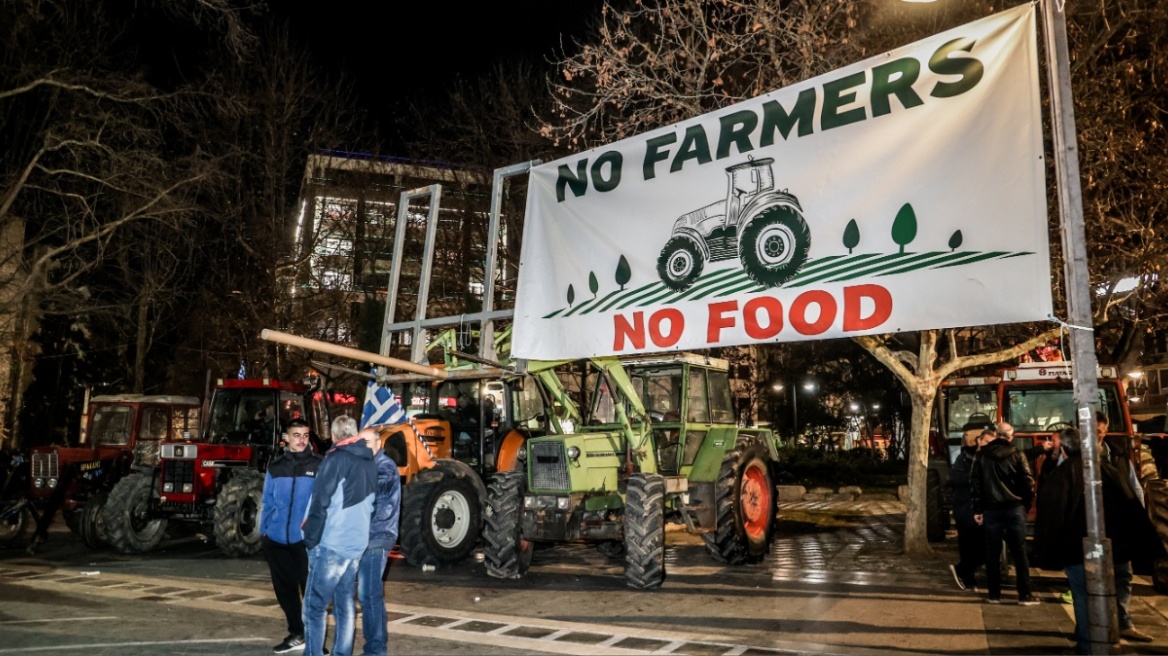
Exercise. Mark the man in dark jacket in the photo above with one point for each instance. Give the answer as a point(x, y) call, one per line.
point(336, 533)
point(1002, 490)
point(382, 537)
point(287, 488)
point(1061, 524)
point(971, 543)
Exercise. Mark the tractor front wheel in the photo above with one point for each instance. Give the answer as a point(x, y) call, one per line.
point(14, 522)
point(774, 245)
point(128, 523)
point(507, 554)
point(680, 263)
point(645, 531)
point(745, 505)
point(91, 521)
point(441, 520)
point(237, 514)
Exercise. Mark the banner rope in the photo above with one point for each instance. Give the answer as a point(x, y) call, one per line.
point(1066, 326)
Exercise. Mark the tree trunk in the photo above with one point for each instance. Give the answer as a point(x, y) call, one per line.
point(916, 519)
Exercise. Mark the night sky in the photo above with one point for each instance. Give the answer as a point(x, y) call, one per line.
point(399, 51)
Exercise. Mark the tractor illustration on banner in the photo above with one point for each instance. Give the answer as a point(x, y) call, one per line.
point(762, 227)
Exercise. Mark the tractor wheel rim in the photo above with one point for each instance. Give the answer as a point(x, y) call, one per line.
point(755, 496)
point(775, 245)
point(680, 264)
point(448, 531)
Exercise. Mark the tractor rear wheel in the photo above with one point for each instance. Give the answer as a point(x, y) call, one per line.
point(744, 498)
point(645, 531)
point(128, 523)
point(91, 521)
point(507, 554)
point(774, 245)
point(441, 520)
point(237, 514)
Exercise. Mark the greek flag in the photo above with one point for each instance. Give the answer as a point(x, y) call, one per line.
point(242, 370)
point(381, 407)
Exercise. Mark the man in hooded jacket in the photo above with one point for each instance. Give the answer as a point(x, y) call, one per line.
point(287, 488)
point(1002, 489)
point(336, 533)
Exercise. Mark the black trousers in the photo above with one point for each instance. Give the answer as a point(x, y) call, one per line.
point(289, 566)
point(1008, 525)
point(971, 546)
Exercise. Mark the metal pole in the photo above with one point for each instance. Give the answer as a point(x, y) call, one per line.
point(1104, 625)
point(795, 408)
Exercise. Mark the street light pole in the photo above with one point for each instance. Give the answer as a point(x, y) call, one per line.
point(1097, 560)
point(795, 408)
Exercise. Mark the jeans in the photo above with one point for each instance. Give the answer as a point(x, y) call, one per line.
point(288, 564)
point(1008, 524)
point(1077, 579)
point(371, 594)
point(331, 577)
point(1123, 591)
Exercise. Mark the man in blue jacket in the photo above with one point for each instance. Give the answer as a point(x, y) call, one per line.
point(287, 488)
point(382, 537)
point(336, 533)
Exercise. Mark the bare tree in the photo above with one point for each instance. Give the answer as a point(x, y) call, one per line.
point(668, 60)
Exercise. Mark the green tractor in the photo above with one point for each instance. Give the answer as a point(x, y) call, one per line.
point(659, 444)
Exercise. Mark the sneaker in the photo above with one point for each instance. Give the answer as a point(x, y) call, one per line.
point(1028, 600)
point(1132, 633)
point(291, 643)
point(956, 578)
point(993, 600)
point(1066, 597)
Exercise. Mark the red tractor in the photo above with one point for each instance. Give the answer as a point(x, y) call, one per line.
point(118, 429)
point(217, 482)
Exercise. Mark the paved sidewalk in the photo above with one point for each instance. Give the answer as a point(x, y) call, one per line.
point(846, 556)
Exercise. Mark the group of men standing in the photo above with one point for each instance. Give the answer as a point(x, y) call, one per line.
point(994, 489)
point(328, 524)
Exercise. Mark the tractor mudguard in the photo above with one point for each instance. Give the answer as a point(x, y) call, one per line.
point(445, 467)
point(718, 441)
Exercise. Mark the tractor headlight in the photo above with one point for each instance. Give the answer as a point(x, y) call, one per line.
point(521, 453)
point(39, 483)
point(168, 487)
point(528, 502)
point(52, 483)
point(188, 488)
point(574, 453)
point(562, 502)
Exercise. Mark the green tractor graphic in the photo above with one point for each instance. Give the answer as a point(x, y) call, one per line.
point(762, 227)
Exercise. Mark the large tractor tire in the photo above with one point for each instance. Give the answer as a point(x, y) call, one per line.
point(645, 531)
point(745, 504)
point(680, 263)
point(774, 245)
point(507, 554)
point(91, 521)
point(936, 517)
point(14, 523)
point(441, 517)
point(237, 514)
point(128, 524)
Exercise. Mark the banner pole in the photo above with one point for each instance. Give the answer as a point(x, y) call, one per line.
point(1097, 560)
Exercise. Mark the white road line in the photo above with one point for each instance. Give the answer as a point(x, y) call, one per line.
point(557, 635)
point(60, 619)
point(668, 649)
point(168, 643)
point(503, 629)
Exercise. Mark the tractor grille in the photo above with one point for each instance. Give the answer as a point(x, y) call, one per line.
point(549, 468)
point(44, 465)
point(178, 472)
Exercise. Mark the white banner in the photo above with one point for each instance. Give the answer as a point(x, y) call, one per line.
point(904, 192)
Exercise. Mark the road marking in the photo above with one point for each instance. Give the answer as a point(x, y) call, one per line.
point(103, 645)
point(59, 619)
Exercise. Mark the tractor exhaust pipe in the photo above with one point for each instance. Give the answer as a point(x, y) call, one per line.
point(355, 354)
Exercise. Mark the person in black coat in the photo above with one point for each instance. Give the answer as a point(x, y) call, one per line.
point(1003, 489)
point(971, 543)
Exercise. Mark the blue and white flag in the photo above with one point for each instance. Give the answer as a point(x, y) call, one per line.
point(381, 407)
point(242, 370)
